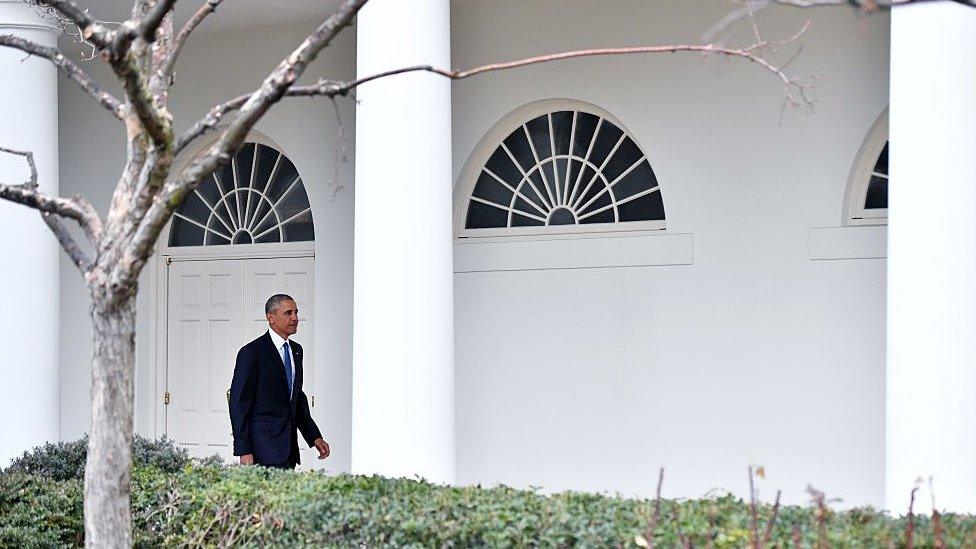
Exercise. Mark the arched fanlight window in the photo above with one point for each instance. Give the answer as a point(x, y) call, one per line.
point(876, 197)
point(258, 197)
point(867, 186)
point(558, 166)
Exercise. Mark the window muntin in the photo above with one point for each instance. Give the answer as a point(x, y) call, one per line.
point(257, 198)
point(876, 197)
point(559, 166)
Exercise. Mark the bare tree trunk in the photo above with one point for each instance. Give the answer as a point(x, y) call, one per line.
point(108, 471)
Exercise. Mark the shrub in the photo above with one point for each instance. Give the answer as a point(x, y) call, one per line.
point(254, 506)
point(38, 511)
point(66, 460)
point(208, 505)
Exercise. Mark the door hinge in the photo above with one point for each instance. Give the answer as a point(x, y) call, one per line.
point(313, 401)
point(166, 398)
point(169, 260)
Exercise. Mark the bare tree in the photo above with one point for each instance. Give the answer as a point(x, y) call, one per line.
point(142, 53)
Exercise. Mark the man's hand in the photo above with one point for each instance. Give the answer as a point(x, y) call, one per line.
point(323, 448)
point(247, 459)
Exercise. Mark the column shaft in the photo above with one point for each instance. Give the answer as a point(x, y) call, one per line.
point(403, 342)
point(931, 360)
point(29, 278)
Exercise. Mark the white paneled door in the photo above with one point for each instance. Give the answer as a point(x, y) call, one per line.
point(213, 308)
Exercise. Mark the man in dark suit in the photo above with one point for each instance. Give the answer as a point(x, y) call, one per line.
point(267, 403)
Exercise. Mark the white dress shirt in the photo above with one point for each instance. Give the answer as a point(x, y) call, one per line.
point(278, 342)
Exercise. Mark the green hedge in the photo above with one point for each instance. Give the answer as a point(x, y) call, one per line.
point(253, 506)
point(66, 460)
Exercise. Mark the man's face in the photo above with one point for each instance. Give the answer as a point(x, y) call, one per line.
point(284, 319)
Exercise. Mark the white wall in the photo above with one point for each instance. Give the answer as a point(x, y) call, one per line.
point(593, 378)
point(214, 67)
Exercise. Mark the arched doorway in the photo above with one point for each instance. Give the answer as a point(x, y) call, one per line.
point(243, 235)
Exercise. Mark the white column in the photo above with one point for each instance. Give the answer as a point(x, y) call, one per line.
point(29, 277)
point(403, 342)
point(931, 372)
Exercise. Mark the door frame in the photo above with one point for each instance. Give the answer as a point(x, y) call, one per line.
point(162, 260)
point(158, 278)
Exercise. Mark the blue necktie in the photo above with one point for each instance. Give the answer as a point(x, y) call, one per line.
point(288, 374)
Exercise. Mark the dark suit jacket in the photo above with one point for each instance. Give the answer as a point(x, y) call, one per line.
point(262, 416)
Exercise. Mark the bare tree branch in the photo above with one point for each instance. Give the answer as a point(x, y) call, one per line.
point(332, 88)
point(143, 27)
point(206, 9)
point(68, 68)
point(755, 542)
point(154, 118)
point(749, 8)
point(768, 534)
point(78, 257)
point(148, 26)
point(27, 194)
point(210, 121)
point(126, 62)
point(159, 159)
point(272, 89)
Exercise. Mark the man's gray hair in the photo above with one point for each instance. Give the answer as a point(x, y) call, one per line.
point(275, 301)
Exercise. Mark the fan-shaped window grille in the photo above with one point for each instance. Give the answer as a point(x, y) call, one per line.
point(258, 197)
point(572, 168)
point(867, 186)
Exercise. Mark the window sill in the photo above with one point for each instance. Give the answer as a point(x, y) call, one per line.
point(851, 242)
point(584, 252)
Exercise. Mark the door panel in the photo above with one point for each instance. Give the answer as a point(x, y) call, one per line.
point(204, 332)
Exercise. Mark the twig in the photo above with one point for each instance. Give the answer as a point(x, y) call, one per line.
point(820, 500)
point(867, 6)
point(78, 257)
point(332, 88)
point(656, 515)
point(936, 520)
point(27, 194)
point(89, 28)
point(910, 526)
point(206, 9)
point(754, 514)
point(797, 536)
point(767, 536)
